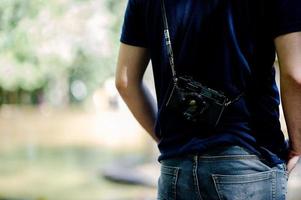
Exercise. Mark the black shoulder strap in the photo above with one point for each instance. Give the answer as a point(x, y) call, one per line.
point(171, 57)
point(168, 41)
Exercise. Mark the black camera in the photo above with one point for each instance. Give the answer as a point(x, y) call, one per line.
point(195, 102)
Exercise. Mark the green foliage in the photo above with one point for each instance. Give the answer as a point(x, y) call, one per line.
point(51, 40)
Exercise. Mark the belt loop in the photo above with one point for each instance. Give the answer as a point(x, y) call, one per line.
point(195, 159)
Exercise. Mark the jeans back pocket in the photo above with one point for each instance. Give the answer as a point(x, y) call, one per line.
point(255, 186)
point(167, 182)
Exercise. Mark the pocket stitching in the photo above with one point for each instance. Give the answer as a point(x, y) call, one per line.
point(262, 176)
point(270, 175)
point(172, 171)
point(217, 189)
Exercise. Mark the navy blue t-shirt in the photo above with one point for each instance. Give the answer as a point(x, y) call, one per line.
point(227, 45)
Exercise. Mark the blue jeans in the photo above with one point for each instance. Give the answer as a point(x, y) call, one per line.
point(225, 173)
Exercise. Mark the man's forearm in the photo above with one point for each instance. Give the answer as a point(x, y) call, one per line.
point(142, 105)
point(291, 102)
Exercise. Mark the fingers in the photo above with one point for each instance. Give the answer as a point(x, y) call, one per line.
point(292, 162)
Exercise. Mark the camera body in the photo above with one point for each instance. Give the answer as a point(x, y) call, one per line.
point(195, 102)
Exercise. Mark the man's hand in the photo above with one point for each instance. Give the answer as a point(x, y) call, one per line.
point(292, 162)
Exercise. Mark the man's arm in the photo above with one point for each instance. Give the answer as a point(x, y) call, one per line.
point(289, 54)
point(131, 65)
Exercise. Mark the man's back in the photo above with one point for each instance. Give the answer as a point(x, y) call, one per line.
point(227, 46)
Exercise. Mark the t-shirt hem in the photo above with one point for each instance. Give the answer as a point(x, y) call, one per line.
point(260, 151)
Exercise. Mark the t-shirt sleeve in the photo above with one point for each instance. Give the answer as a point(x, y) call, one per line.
point(286, 16)
point(134, 27)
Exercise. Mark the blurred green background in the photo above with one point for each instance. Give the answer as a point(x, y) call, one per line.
point(65, 133)
point(57, 51)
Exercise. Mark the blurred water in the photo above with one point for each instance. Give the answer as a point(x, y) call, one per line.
point(61, 155)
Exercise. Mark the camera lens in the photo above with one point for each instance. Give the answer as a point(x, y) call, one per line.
point(192, 102)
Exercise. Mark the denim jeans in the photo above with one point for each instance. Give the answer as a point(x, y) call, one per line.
point(225, 173)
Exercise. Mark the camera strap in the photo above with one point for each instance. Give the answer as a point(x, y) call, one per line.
point(232, 101)
point(168, 42)
point(171, 55)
